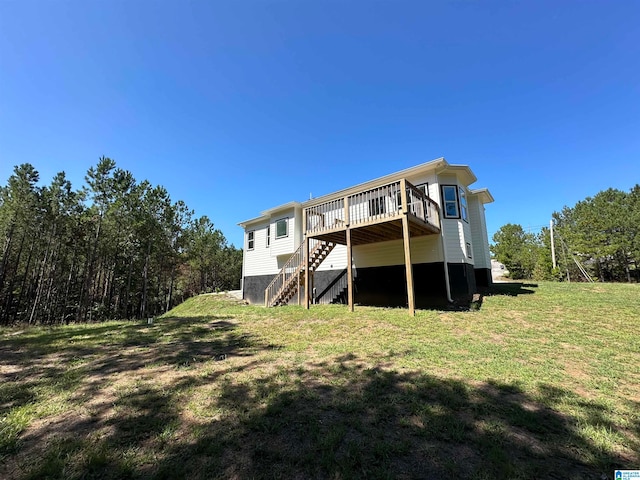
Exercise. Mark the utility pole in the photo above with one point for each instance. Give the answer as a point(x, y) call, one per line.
point(553, 248)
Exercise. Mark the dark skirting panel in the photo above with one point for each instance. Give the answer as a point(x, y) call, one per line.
point(379, 286)
point(387, 286)
point(462, 278)
point(253, 288)
point(483, 277)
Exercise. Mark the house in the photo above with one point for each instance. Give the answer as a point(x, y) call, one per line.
point(413, 236)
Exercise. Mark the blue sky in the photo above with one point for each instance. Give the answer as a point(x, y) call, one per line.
point(239, 106)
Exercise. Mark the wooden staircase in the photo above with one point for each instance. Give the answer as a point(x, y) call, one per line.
point(287, 282)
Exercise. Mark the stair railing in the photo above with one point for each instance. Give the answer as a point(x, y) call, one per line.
point(292, 267)
point(289, 270)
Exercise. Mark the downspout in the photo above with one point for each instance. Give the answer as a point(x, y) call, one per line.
point(446, 266)
point(244, 254)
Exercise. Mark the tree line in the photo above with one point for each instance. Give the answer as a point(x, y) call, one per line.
point(115, 248)
point(600, 235)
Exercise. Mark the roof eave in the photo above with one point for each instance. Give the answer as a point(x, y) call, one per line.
point(463, 172)
point(432, 164)
point(483, 194)
point(267, 214)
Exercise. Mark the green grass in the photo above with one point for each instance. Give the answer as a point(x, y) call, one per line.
point(543, 380)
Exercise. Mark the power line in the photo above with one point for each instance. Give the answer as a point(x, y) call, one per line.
point(526, 229)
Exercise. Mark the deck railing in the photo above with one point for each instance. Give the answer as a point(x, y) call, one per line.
point(325, 216)
point(371, 206)
point(376, 204)
point(422, 206)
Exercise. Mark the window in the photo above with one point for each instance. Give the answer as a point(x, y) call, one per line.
point(250, 240)
point(268, 235)
point(469, 250)
point(463, 204)
point(424, 188)
point(282, 228)
point(450, 199)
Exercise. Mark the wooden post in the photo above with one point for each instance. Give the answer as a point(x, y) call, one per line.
point(406, 237)
point(553, 248)
point(403, 196)
point(307, 290)
point(349, 271)
point(349, 255)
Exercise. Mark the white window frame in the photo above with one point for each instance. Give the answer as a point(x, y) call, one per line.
point(268, 235)
point(286, 222)
point(453, 202)
point(462, 201)
point(251, 239)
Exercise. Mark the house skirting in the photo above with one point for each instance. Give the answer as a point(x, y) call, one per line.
point(253, 288)
point(483, 277)
point(330, 287)
point(380, 286)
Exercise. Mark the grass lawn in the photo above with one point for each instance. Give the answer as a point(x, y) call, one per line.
point(542, 382)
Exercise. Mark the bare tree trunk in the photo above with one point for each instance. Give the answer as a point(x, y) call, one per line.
point(9, 300)
point(627, 271)
point(51, 273)
point(111, 286)
point(128, 290)
point(145, 272)
point(40, 276)
point(63, 318)
point(170, 296)
point(88, 277)
point(5, 252)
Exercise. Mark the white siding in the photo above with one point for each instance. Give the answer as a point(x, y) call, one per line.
point(297, 228)
point(263, 260)
point(456, 232)
point(454, 239)
point(337, 259)
point(259, 260)
point(466, 236)
point(481, 253)
point(419, 180)
point(424, 249)
point(285, 245)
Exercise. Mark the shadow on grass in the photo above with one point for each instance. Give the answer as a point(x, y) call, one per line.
point(511, 289)
point(82, 341)
point(465, 303)
point(77, 363)
point(342, 419)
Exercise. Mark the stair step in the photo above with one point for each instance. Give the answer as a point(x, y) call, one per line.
point(320, 252)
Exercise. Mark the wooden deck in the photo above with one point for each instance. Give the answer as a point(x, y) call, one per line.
point(374, 215)
point(395, 211)
point(379, 231)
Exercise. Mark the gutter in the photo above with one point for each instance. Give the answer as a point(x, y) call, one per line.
point(446, 265)
point(447, 281)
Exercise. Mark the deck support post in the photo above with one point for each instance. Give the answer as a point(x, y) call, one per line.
point(349, 271)
point(406, 238)
point(307, 290)
point(349, 255)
